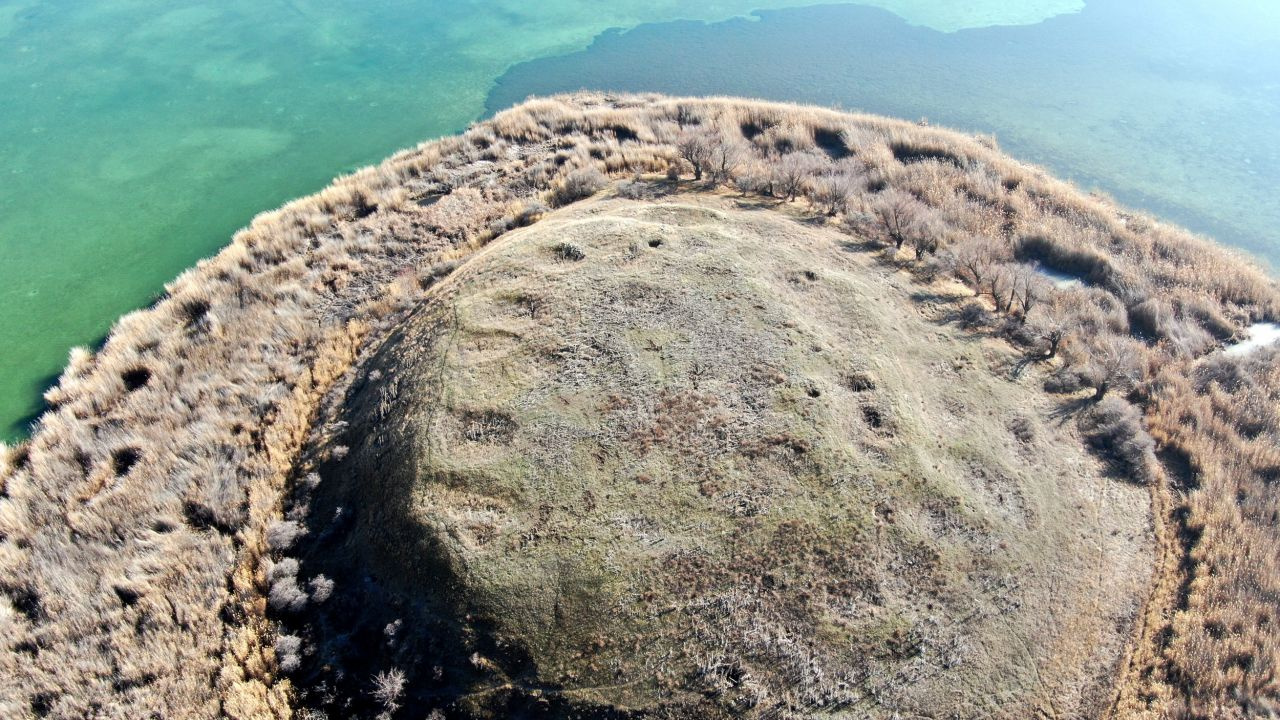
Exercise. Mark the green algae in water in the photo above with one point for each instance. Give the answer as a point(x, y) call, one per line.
point(1170, 107)
point(137, 135)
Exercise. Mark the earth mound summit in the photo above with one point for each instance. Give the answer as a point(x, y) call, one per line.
point(688, 457)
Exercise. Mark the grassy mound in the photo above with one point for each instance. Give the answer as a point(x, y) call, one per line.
point(694, 456)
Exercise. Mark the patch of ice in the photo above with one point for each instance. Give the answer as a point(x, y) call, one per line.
point(1259, 335)
point(1060, 279)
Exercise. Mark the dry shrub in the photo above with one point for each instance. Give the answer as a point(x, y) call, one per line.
point(793, 171)
point(905, 220)
point(569, 252)
point(288, 652)
point(1114, 426)
point(711, 153)
point(387, 688)
point(579, 184)
point(633, 189)
point(321, 588)
point(973, 314)
point(281, 534)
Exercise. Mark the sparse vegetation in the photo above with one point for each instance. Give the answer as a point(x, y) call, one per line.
point(140, 524)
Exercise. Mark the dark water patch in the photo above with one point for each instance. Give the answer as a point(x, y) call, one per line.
point(907, 154)
point(831, 142)
point(123, 460)
point(136, 378)
point(1170, 107)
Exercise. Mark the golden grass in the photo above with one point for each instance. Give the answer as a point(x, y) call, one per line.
point(133, 524)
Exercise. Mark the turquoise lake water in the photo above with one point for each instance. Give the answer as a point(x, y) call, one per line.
point(137, 135)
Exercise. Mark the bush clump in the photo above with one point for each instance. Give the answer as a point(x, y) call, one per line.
point(973, 315)
point(569, 252)
point(578, 184)
point(288, 652)
point(1114, 427)
point(281, 534)
point(285, 593)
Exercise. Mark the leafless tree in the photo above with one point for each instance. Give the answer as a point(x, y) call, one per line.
point(1050, 330)
point(695, 146)
point(1001, 285)
point(711, 154)
point(754, 177)
point(1113, 362)
point(1053, 338)
point(971, 259)
point(1030, 289)
point(834, 192)
point(725, 157)
point(925, 236)
point(903, 218)
point(792, 171)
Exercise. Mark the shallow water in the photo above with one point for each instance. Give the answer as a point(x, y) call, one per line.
point(137, 135)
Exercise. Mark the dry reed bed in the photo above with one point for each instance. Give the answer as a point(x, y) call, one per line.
point(134, 525)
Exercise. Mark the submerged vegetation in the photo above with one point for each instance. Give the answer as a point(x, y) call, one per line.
point(145, 555)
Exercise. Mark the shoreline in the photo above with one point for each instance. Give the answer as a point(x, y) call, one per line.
point(175, 446)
